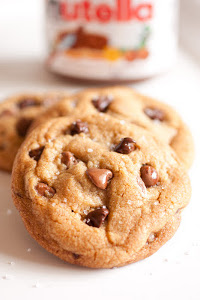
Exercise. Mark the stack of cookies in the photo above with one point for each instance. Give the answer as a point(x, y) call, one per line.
point(100, 177)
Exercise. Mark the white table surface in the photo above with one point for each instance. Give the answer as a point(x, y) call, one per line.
point(29, 272)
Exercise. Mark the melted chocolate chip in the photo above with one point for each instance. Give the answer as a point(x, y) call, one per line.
point(154, 113)
point(149, 175)
point(68, 159)
point(23, 125)
point(102, 103)
point(78, 127)
point(36, 153)
point(126, 146)
point(6, 113)
point(97, 217)
point(99, 177)
point(26, 102)
point(45, 190)
point(76, 256)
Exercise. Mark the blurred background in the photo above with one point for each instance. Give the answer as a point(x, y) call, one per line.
point(22, 36)
point(22, 28)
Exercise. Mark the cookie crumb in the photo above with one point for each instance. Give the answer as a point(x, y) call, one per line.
point(12, 263)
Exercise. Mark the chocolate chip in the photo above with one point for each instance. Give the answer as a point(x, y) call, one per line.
point(102, 103)
point(68, 159)
point(149, 175)
point(23, 125)
point(45, 190)
point(154, 113)
point(6, 113)
point(100, 177)
point(78, 127)
point(36, 153)
point(76, 256)
point(126, 146)
point(97, 217)
point(26, 102)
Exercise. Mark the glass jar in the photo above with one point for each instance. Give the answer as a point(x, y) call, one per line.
point(111, 40)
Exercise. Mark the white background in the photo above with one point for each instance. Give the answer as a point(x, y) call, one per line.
point(174, 271)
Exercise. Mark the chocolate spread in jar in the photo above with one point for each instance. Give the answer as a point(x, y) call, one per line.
point(111, 40)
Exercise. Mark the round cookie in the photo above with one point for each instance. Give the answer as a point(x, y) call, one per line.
point(128, 105)
point(96, 192)
point(16, 115)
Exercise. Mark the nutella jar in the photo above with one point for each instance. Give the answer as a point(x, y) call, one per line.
point(111, 40)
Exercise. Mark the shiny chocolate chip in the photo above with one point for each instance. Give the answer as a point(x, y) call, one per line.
point(100, 177)
point(26, 102)
point(45, 190)
point(154, 113)
point(126, 146)
point(149, 175)
point(97, 217)
point(23, 125)
point(102, 103)
point(36, 153)
point(68, 159)
point(78, 127)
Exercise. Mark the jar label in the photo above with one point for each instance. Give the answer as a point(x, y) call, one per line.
point(112, 39)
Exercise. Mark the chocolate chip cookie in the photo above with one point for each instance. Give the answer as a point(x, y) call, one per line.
point(98, 192)
point(16, 115)
point(129, 106)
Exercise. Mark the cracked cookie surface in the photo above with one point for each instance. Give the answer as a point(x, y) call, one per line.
point(17, 113)
point(104, 196)
point(129, 106)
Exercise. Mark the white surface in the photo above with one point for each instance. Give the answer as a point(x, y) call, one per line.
point(173, 272)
